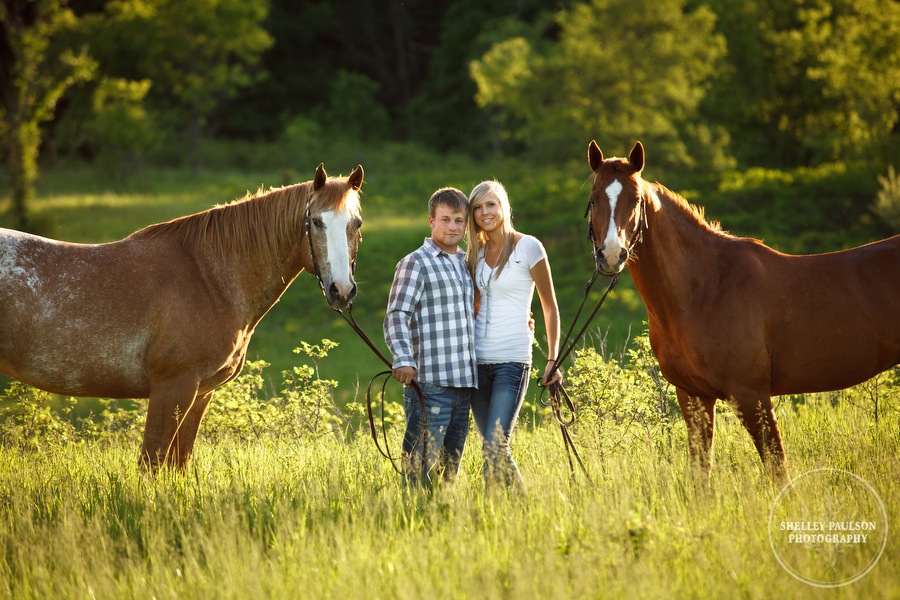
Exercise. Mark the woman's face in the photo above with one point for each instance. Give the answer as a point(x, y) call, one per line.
point(488, 213)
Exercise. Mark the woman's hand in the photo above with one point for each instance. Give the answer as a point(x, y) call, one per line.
point(557, 374)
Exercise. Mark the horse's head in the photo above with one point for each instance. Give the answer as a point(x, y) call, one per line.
point(332, 231)
point(615, 207)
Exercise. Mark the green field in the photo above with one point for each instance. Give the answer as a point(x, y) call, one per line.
point(324, 516)
point(313, 511)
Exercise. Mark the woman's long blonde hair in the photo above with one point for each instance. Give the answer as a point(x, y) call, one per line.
point(478, 237)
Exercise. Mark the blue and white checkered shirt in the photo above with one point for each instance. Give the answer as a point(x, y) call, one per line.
point(430, 322)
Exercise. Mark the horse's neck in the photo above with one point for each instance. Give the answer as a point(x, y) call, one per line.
point(673, 254)
point(258, 276)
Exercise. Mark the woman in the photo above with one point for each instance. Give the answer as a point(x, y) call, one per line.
point(506, 266)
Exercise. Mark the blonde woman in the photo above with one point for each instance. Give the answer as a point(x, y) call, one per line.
point(506, 266)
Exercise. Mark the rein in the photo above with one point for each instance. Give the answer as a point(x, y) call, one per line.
point(381, 444)
point(557, 393)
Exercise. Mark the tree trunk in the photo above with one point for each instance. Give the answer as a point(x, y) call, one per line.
point(23, 170)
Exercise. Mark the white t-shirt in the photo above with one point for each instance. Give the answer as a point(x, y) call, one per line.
point(501, 327)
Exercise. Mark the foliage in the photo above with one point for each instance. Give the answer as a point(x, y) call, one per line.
point(887, 201)
point(352, 109)
point(303, 407)
point(35, 75)
point(644, 82)
point(196, 54)
point(808, 82)
point(843, 49)
point(121, 125)
point(31, 419)
point(803, 210)
point(621, 403)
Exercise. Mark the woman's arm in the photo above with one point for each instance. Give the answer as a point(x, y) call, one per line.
point(543, 281)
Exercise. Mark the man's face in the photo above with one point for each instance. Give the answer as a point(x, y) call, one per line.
point(448, 227)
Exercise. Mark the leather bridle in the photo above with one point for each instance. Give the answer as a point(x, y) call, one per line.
point(382, 443)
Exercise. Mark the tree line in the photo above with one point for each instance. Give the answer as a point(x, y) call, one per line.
point(711, 84)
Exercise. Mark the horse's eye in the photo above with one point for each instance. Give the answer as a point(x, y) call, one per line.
point(318, 222)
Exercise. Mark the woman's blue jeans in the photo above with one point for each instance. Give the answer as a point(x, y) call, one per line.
point(447, 411)
point(495, 406)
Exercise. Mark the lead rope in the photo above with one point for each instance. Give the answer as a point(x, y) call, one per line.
point(558, 394)
point(382, 445)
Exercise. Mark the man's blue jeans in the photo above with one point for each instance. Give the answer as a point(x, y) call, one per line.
point(447, 416)
point(495, 406)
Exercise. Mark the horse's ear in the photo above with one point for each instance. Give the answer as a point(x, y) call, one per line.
point(595, 156)
point(636, 158)
point(356, 177)
point(321, 176)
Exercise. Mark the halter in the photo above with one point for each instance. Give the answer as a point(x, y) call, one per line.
point(635, 239)
point(557, 393)
point(312, 250)
point(382, 443)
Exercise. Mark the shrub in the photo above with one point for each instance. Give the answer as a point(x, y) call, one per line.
point(31, 422)
point(887, 201)
point(622, 402)
point(304, 406)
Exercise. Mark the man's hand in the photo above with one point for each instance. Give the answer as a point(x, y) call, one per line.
point(404, 375)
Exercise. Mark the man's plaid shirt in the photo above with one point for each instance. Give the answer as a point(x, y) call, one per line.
point(430, 321)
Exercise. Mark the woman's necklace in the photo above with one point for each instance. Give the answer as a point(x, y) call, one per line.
point(485, 276)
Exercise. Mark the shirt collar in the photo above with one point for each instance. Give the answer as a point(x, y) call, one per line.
point(437, 250)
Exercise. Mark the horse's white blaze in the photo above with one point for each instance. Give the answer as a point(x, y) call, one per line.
point(612, 245)
point(336, 224)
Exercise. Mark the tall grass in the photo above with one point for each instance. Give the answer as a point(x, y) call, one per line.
point(327, 518)
point(286, 512)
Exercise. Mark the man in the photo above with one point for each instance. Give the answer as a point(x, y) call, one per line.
point(429, 329)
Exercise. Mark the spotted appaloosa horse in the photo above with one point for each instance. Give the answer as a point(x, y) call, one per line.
point(733, 319)
point(167, 312)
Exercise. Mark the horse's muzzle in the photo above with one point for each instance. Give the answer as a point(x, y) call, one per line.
point(341, 296)
point(602, 264)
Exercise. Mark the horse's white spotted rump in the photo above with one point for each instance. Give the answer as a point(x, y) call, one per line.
point(11, 267)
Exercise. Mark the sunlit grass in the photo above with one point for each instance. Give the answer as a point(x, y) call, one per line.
point(325, 518)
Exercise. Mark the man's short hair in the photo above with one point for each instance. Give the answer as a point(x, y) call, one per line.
point(450, 197)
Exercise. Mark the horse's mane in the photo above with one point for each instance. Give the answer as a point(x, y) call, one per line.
point(260, 224)
point(692, 212)
point(613, 167)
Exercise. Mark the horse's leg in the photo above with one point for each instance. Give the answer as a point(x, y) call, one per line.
point(183, 444)
point(700, 416)
point(170, 402)
point(758, 417)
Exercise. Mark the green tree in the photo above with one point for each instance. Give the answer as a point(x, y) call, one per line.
point(808, 80)
point(196, 54)
point(621, 70)
point(849, 52)
point(120, 123)
point(34, 74)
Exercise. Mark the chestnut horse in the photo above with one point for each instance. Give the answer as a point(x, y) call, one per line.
point(733, 319)
point(167, 312)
